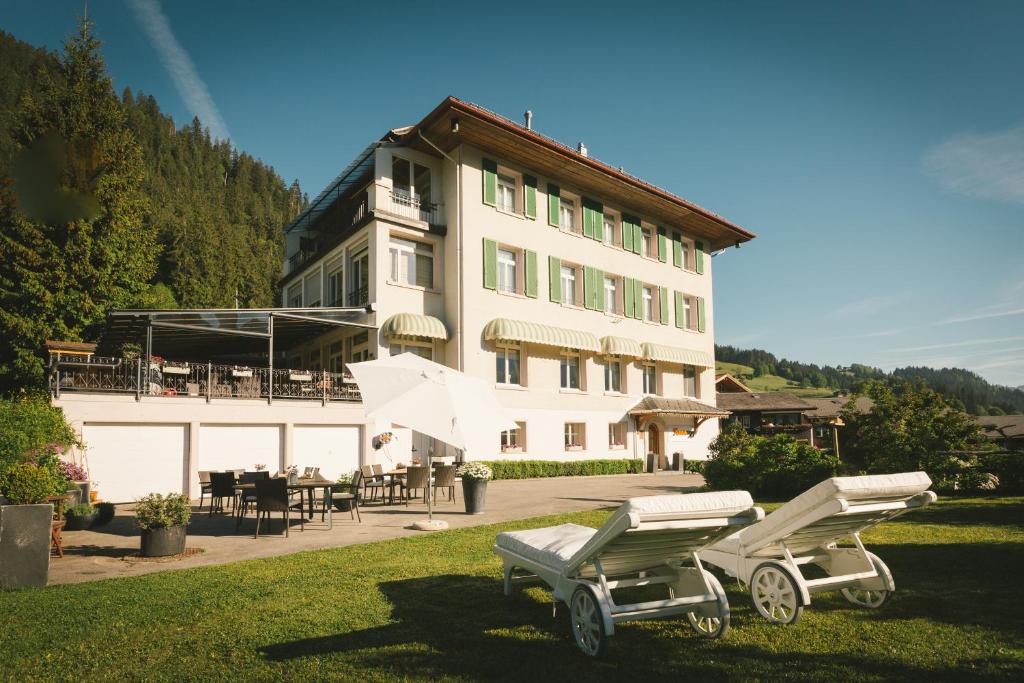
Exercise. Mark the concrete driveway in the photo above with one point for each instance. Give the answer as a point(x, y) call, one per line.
point(110, 551)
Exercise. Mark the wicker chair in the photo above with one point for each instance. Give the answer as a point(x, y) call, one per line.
point(204, 486)
point(272, 496)
point(222, 486)
point(444, 478)
point(248, 498)
point(372, 484)
point(351, 495)
point(416, 478)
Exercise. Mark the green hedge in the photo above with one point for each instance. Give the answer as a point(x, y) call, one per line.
point(531, 469)
point(29, 427)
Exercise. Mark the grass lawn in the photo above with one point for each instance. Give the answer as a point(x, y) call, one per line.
point(430, 607)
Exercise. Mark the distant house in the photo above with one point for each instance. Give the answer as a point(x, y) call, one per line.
point(727, 384)
point(768, 412)
point(1006, 431)
point(825, 416)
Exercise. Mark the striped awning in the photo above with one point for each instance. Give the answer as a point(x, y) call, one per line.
point(504, 329)
point(621, 346)
point(674, 354)
point(413, 325)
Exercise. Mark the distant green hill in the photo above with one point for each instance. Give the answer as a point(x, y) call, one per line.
point(745, 374)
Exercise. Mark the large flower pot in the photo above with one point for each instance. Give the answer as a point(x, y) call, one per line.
point(169, 540)
point(104, 513)
point(474, 492)
point(80, 522)
point(25, 545)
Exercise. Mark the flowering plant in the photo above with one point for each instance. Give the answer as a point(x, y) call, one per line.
point(475, 470)
point(260, 468)
point(291, 469)
point(73, 471)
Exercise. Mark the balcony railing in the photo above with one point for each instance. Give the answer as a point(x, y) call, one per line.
point(359, 297)
point(405, 205)
point(198, 380)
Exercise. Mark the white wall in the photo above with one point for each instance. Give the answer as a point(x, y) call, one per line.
point(239, 446)
point(130, 460)
point(332, 448)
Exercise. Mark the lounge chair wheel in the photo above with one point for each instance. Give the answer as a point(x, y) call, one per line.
point(586, 621)
point(712, 627)
point(774, 592)
point(863, 597)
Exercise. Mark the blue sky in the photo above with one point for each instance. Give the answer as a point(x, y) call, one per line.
point(876, 148)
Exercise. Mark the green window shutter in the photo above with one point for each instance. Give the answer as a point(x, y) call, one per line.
point(638, 299)
point(592, 219)
point(531, 274)
point(598, 289)
point(679, 309)
point(599, 224)
point(627, 297)
point(662, 246)
point(700, 313)
point(490, 264)
point(555, 278)
point(530, 196)
point(627, 233)
point(588, 287)
point(588, 220)
point(554, 204)
point(677, 250)
point(663, 304)
point(490, 181)
point(638, 238)
point(699, 249)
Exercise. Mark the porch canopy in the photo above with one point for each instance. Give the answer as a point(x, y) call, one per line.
point(205, 334)
point(657, 405)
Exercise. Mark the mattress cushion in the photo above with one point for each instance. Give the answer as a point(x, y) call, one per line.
point(863, 489)
point(551, 546)
point(690, 505)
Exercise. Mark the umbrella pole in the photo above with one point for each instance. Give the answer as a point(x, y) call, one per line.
point(430, 491)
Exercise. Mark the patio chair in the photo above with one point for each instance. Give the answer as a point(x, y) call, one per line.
point(204, 486)
point(272, 496)
point(444, 478)
point(247, 499)
point(351, 495)
point(648, 541)
point(767, 556)
point(416, 478)
point(372, 484)
point(222, 487)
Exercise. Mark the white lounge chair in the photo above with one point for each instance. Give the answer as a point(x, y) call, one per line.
point(767, 556)
point(647, 541)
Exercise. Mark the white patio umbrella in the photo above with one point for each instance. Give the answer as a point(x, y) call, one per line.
point(435, 400)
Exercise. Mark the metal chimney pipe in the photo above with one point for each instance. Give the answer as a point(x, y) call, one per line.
point(529, 119)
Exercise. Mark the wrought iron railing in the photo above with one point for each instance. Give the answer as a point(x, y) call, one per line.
point(198, 380)
point(359, 296)
point(406, 205)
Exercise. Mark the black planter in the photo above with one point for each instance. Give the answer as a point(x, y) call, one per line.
point(25, 545)
point(164, 541)
point(474, 492)
point(79, 522)
point(104, 513)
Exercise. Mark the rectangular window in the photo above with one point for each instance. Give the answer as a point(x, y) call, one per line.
point(610, 234)
point(613, 375)
point(611, 294)
point(311, 288)
point(570, 369)
point(422, 350)
point(506, 200)
point(410, 180)
point(295, 295)
point(507, 365)
point(574, 436)
point(650, 379)
point(617, 435)
point(687, 254)
point(689, 319)
point(567, 214)
point(412, 263)
point(689, 381)
point(334, 363)
point(647, 247)
point(568, 277)
point(507, 279)
point(514, 440)
point(648, 303)
point(359, 278)
point(335, 278)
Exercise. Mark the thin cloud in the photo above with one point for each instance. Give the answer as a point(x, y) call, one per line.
point(179, 65)
point(981, 165)
point(953, 345)
point(982, 316)
point(869, 306)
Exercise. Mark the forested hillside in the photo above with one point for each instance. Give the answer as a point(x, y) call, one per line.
point(976, 395)
point(105, 203)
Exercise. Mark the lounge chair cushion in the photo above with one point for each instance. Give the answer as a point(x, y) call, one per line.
point(690, 505)
point(551, 546)
point(869, 488)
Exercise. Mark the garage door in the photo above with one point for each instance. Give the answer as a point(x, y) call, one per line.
point(238, 447)
point(129, 461)
point(332, 448)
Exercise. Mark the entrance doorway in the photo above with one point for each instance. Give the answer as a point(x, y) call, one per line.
point(654, 445)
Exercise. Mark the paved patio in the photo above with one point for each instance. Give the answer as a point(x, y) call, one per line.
point(108, 551)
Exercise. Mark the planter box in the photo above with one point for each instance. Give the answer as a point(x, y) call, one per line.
point(25, 545)
point(474, 492)
point(300, 377)
point(175, 370)
point(79, 522)
point(241, 373)
point(163, 542)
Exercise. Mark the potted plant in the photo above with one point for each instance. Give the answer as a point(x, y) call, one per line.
point(475, 476)
point(104, 513)
point(25, 525)
point(80, 517)
point(173, 368)
point(162, 520)
point(77, 475)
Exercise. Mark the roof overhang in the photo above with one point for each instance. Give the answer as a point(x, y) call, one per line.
point(657, 405)
point(496, 134)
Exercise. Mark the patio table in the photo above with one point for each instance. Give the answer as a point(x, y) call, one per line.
point(302, 486)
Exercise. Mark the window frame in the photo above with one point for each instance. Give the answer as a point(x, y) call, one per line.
point(694, 378)
point(616, 228)
point(401, 249)
point(565, 371)
point(289, 293)
point(404, 345)
point(519, 437)
point(645, 388)
point(502, 349)
point(577, 283)
point(613, 429)
point(647, 294)
point(617, 307)
point(689, 255)
point(574, 436)
point(577, 213)
point(517, 274)
point(517, 190)
point(617, 363)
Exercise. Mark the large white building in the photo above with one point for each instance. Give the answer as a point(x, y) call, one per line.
point(583, 293)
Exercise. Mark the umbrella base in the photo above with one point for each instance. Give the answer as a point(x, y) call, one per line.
point(430, 525)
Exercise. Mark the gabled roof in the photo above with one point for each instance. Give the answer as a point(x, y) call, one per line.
point(831, 407)
point(675, 406)
point(727, 383)
point(765, 400)
point(1002, 426)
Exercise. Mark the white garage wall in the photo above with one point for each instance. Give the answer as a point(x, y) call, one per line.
point(233, 447)
point(129, 461)
point(332, 448)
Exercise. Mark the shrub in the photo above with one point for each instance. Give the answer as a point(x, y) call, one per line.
point(29, 426)
point(1009, 467)
point(531, 469)
point(774, 467)
point(106, 513)
point(80, 510)
point(157, 511)
point(695, 466)
point(28, 484)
